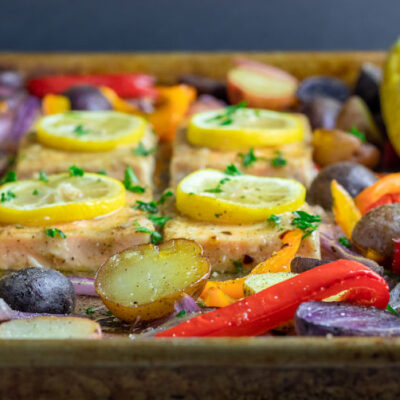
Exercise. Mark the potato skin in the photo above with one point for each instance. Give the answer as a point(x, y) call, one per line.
point(38, 290)
point(352, 176)
point(376, 229)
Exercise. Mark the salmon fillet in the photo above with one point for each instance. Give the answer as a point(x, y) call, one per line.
point(87, 245)
point(248, 244)
point(34, 157)
point(187, 158)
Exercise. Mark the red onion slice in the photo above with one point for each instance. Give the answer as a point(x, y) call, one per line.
point(83, 286)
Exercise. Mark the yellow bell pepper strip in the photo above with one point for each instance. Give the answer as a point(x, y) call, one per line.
point(172, 105)
point(388, 184)
point(276, 305)
point(54, 104)
point(279, 262)
point(344, 209)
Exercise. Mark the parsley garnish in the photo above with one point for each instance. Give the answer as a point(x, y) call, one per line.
point(7, 196)
point(392, 310)
point(278, 160)
point(225, 117)
point(274, 220)
point(355, 132)
point(248, 159)
point(53, 232)
point(76, 171)
point(89, 310)
point(11, 176)
point(155, 237)
point(308, 223)
point(150, 207)
point(142, 151)
point(214, 190)
point(224, 180)
point(158, 220)
point(238, 266)
point(164, 197)
point(109, 312)
point(130, 180)
point(181, 314)
point(102, 172)
point(233, 170)
point(81, 130)
point(35, 192)
point(344, 241)
point(43, 176)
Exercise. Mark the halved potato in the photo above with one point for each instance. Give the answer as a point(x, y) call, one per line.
point(50, 328)
point(144, 282)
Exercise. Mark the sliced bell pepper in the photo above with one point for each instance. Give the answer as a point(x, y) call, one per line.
point(125, 85)
point(118, 103)
point(173, 104)
point(344, 209)
point(386, 185)
point(54, 104)
point(389, 198)
point(279, 262)
point(277, 304)
point(215, 297)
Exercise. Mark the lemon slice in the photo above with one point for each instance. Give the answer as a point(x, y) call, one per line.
point(211, 195)
point(90, 131)
point(62, 199)
point(239, 128)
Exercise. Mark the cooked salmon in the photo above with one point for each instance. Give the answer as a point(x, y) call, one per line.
point(34, 157)
point(187, 158)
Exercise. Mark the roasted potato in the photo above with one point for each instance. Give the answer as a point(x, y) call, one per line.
point(376, 229)
point(50, 328)
point(144, 282)
point(205, 85)
point(322, 112)
point(302, 264)
point(85, 97)
point(261, 85)
point(368, 86)
point(353, 177)
point(38, 290)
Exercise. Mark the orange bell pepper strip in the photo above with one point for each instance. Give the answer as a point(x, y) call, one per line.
point(215, 297)
point(276, 305)
point(173, 104)
point(344, 209)
point(54, 104)
point(119, 104)
point(388, 184)
point(279, 262)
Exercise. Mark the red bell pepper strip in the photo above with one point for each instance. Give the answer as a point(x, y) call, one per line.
point(389, 198)
point(125, 85)
point(277, 304)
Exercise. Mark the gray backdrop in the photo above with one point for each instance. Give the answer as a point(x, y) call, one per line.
point(197, 24)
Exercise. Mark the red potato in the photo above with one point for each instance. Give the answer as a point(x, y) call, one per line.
point(261, 85)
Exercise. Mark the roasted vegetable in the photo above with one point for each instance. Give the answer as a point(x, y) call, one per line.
point(322, 112)
point(333, 146)
point(355, 113)
point(322, 86)
point(50, 328)
point(205, 85)
point(145, 281)
point(10, 79)
point(368, 86)
point(376, 230)
point(255, 283)
point(55, 103)
point(353, 177)
point(85, 97)
point(315, 318)
point(261, 85)
point(38, 290)
point(302, 264)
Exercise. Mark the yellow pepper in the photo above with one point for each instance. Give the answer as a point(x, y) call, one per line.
point(54, 104)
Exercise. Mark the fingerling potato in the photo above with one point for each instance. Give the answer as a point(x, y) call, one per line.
point(144, 282)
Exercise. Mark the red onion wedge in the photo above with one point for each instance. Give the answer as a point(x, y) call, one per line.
point(83, 286)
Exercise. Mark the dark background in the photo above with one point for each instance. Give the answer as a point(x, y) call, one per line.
point(124, 25)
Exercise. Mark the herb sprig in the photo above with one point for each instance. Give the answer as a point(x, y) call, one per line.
point(131, 181)
point(226, 116)
point(142, 151)
point(11, 176)
point(308, 223)
point(355, 132)
point(249, 158)
point(53, 232)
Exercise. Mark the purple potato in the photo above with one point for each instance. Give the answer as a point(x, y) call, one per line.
point(322, 112)
point(368, 86)
point(318, 318)
point(85, 97)
point(204, 85)
point(302, 264)
point(322, 86)
point(38, 290)
point(11, 79)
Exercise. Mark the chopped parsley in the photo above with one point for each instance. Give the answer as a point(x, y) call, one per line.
point(43, 176)
point(130, 181)
point(392, 310)
point(150, 207)
point(155, 236)
point(248, 159)
point(80, 130)
point(355, 132)
point(158, 220)
point(217, 215)
point(214, 190)
point(181, 314)
point(278, 160)
point(225, 117)
point(89, 310)
point(164, 197)
point(11, 176)
point(53, 232)
point(233, 170)
point(102, 172)
point(35, 192)
point(109, 312)
point(308, 223)
point(238, 266)
point(224, 180)
point(7, 196)
point(76, 171)
point(142, 151)
point(274, 220)
point(344, 241)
